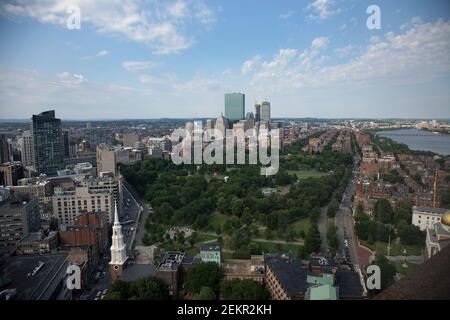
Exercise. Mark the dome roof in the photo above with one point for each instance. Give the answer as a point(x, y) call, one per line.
point(445, 220)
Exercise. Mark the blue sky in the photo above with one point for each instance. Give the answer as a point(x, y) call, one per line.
point(151, 59)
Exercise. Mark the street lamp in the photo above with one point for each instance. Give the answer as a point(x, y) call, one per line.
point(405, 265)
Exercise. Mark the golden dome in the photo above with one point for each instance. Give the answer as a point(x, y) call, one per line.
point(445, 220)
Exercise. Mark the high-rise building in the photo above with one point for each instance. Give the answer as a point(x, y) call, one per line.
point(257, 112)
point(5, 152)
point(235, 106)
point(66, 141)
point(106, 159)
point(26, 144)
point(10, 173)
point(265, 111)
point(18, 216)
point(48, 143)
point(221, 125)
point(96, 136)
point(69, 204)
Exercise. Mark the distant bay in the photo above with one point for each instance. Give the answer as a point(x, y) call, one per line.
point(422, 140)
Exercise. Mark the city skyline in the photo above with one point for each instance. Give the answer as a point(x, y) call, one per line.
point(177, 59)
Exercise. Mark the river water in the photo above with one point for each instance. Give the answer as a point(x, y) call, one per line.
point(420, 140)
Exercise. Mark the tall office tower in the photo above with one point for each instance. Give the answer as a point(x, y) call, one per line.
point(48, 144)
point(189, 128)
point(96, 136)
point(235, 106)
point(66, 141)
point(106, 159)
point(26, 144)
point(249, 121)
point(10, 173)
point(221, 124)
point(265, 111)
point(257, 112)
point(209, 124)
point(5, 152)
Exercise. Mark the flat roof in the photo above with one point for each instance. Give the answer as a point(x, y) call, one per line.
point(171, 261)
point(43, 283)
point(349, 285)
point(37, 236)
point(210, 247)
point(290, 273)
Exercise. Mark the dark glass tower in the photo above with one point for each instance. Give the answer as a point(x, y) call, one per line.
point(48, 143)
point(235, 106)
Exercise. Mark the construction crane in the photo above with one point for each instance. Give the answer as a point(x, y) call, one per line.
point(435, 188)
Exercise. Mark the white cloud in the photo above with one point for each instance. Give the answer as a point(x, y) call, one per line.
point(322, 9)
point(345, 51)
point(159, 25)
point(102, 53)
point(417, 55)
point(139, 65)
point(149, 79)
point(320, 43)
point(287, 15)
point(250, 64)
point(178, 9)
point(69, 80)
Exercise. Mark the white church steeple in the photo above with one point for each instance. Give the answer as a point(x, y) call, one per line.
point(118, 247)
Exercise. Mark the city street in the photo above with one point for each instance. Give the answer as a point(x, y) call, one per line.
point(348, 243)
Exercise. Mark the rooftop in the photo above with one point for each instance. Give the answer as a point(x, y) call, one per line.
point(37, 236)
point(290, 273)
point(430, 209)
point(135, 271)
point(349, 285)
point(171, 261)
point(210, 247)
point(30, 282)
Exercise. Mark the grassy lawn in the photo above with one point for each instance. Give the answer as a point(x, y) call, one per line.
point(302, 224)
point(227, 255)
point(400, 269)
point(304, 174)
point(217, 219)
point(273, 247)
point(396, 249)
point(201, 237)
point(193, 250)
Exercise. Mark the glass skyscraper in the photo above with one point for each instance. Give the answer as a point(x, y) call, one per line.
point(235, 106)
point(48, 144)
point(265, 111)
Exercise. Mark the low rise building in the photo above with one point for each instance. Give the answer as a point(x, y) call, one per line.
point(210, 253)
point(38, 277)
point(438, 236)
point(425, 217)
point(38, 243)
point(169, 271)
point(252, 269)
point(285, 277)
